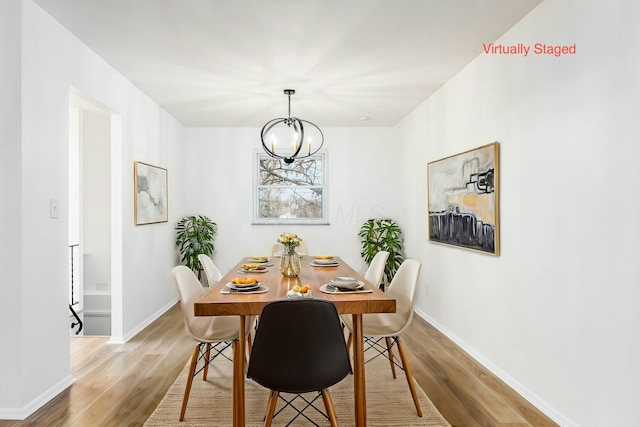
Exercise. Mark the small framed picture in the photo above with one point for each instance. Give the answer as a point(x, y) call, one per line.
point(150, 194)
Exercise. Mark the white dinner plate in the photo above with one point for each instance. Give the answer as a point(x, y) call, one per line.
point(315, 264)
point(327, 288)
point(259, 290)
point(344, 281)
point(325, 261)
point(251, 271)
point(350, 287)
point(243, 287)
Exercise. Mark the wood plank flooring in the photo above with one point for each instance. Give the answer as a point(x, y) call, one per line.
point(120, 385)
point(465, 393)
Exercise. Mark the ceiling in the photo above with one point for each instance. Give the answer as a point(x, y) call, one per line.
point(225, 63)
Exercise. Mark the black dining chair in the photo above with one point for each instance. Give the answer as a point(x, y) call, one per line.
point(298, 348)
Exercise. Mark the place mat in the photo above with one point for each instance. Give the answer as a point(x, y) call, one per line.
point(259, 290)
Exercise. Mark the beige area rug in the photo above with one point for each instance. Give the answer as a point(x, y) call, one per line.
point(389, 401)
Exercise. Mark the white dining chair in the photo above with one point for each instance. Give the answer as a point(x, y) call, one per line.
point(375, 272)
point(211, 271)
point(390, 326)
point(215, 333)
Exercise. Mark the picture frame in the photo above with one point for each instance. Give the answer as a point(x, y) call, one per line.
point(150, 194)
point(463, 200)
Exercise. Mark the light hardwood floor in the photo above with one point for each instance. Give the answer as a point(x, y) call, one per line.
point(120, 385)
point(465, 393)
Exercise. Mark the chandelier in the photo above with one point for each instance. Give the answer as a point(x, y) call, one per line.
point(291, 138)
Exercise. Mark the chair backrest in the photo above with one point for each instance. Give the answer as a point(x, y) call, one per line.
point(403, 288)
point(203, 328)
point(302, 249)
point(210, 269)
point(376, 268)
point(299, 347)
point(276, 249)
point(189, 290)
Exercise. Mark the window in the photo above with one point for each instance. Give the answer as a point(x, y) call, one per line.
point(290, 193)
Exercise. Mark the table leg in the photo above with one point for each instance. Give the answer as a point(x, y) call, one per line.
point(238, 376)
point(359, 390)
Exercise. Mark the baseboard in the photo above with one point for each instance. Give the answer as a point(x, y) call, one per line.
point(523, 391)
point(132, 333)
point(38, 402)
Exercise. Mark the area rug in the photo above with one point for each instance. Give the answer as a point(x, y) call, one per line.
point(389, 401)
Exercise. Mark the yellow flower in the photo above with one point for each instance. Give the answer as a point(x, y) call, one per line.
point(289, 239)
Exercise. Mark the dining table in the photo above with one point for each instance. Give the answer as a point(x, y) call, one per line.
point(222, 300)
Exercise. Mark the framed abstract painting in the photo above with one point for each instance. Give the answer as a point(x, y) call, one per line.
point(150, 194)
point(463, 200)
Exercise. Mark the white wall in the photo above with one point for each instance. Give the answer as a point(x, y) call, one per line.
point(556, 314)
point(96, 204)
point(10, 208)
point(219, 183)
point(52, 61)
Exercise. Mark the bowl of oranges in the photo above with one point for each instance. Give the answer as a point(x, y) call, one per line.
point(300, 291)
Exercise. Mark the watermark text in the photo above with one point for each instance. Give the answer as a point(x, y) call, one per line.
point(525, 49)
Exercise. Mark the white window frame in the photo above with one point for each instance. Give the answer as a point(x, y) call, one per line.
point(324, 220)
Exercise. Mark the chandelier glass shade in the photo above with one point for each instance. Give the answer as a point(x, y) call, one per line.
point(291, 138)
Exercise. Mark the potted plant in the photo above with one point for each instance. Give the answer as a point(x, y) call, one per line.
point(194, 236)
point(382, 235)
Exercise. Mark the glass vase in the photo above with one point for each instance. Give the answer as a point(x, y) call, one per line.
point(290, 262)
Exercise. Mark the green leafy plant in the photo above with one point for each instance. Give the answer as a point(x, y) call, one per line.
point(382, 235)
point(194, 236)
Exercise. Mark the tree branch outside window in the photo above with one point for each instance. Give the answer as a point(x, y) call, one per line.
point(290, 193)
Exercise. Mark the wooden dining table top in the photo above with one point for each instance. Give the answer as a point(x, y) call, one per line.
point(215, 303)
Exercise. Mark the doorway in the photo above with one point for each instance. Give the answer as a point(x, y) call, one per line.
point(90, 214)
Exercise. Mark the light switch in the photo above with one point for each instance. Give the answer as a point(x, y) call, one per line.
point(53, 208)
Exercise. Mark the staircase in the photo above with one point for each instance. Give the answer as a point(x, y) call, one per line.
point(74, 294)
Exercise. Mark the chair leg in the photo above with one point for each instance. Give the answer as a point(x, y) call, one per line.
point(390, 353)
point(407, 373)
point(271, 408)
point(207, 355)
point(187, 389)
point(349, 344)
point(249, 344)
point(328, 405)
